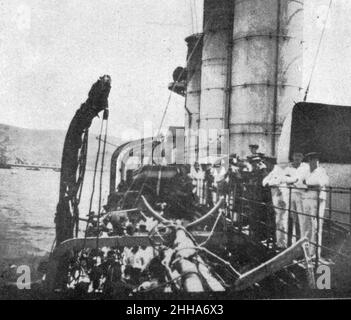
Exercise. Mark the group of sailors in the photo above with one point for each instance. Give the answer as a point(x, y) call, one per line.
point(305, 184)
point(295, 189)
point(210, 181)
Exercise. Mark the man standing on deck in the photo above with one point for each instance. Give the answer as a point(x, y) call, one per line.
point(253, 149)
point(314, 180)
point(235, 186)
point(198, 176)
point(255, 157)
point(295, 169)
point(219, 174)
point(276, 180)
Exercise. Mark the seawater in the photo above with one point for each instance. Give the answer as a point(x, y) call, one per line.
point(28, 202)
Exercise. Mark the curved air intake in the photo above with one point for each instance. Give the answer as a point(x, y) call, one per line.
point(113, 166)
point(127, 147)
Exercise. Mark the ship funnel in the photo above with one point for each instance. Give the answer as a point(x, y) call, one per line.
point(193, 95)
point(251, 73)
point(266, 74)
point(217, 25)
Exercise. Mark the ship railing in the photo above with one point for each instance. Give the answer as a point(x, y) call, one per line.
point(250, 209)
point(201, 191)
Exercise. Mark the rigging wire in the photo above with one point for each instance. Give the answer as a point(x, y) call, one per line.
point(195, 14)
point(94, 179)
point(191, 15)
point(90, 216)
point(82, 163)
point(95, 167)
point(318, 50)
point(220, 213)
point(105, 118)
point(82, 159)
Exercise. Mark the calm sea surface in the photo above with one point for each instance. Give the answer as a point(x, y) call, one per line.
point(28, 201)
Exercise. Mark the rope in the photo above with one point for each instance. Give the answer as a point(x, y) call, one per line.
point(105, 117)
point(94, 179)
point(92, 193)
point(82, 163)
point(317, 53)
point(82, 159)
point(53, 246)
point(191, 16)
point(95, 167)
point(220, 212)
point(195, 13)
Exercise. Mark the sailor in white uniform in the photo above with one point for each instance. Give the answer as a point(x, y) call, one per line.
point(219, 173)
point(277, 181)
point(198, 176)
point(315, 180)
point(295, 169)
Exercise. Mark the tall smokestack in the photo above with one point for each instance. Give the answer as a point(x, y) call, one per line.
point(217, 25)
point(193, 95)
point(266, 70)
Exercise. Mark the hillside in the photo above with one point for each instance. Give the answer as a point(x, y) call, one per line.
point(42, 147)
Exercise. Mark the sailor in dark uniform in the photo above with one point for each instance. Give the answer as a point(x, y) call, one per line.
point(253, 191)
point(254, 157)
point(253, 149)
point(235, 186)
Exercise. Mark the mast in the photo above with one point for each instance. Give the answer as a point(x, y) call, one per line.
point(74, 157)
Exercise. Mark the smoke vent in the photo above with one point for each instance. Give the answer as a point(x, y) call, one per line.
point(193, 95)
point(217, 36)
point(266, 70)
point(251, 73)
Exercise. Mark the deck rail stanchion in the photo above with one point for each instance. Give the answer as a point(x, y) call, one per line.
point(233, 208)
point(268, 226)
point(291, 221)
point(225, 207)
point(318, 249)
point(241, 209)
point(330, 209)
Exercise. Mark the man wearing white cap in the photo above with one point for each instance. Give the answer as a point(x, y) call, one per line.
point(296, 169)
point(219, 174)
point(315, 179)
point(276, 179)
point(198, 175)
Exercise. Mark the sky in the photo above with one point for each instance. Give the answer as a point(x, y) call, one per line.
point(52, 51)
